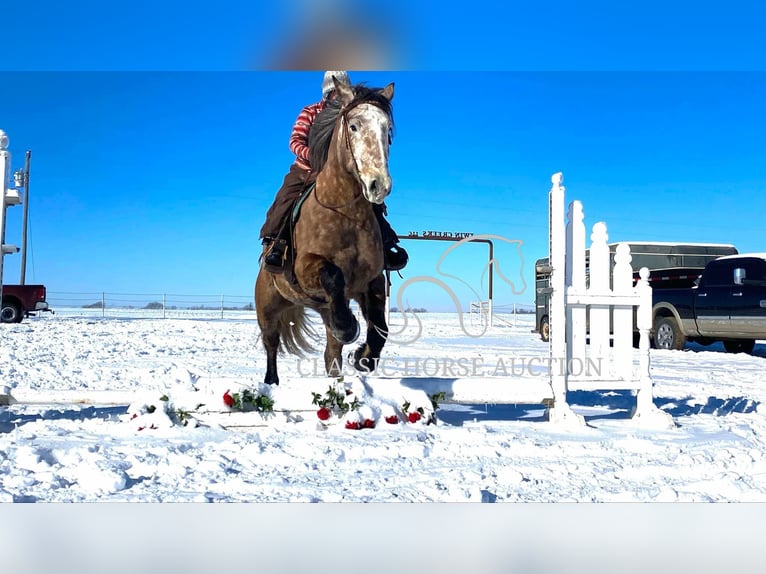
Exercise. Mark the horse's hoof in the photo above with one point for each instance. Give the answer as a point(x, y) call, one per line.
point(355, 336)
point(366, 364)
point(359, 359)
point(347, 337)
point(271, 381)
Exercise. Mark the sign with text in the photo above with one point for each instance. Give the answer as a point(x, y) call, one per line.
point(456, 235)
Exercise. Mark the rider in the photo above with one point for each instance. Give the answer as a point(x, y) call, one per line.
point(275, 230)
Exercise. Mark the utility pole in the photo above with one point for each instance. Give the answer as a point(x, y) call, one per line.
point(23, 272)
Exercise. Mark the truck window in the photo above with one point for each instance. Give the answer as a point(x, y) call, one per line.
point(755, 269)
point(720, 273)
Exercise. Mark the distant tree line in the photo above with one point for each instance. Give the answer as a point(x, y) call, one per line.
point(248, 307)
point(525, 311)
point(519, 310)
point(157, 305)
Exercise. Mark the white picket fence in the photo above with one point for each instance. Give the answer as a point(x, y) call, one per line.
point(600, 308)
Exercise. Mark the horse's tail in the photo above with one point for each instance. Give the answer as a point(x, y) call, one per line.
point(296, 334)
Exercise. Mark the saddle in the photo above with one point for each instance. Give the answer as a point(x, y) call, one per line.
point(289, 235)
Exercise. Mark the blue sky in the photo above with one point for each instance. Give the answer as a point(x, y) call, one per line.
point(159, 140)
point(156, 182)
point(483, 36)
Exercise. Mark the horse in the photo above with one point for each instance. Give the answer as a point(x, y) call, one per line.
point(337, 250)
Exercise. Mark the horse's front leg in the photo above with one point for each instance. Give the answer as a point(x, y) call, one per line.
point(318, 274)
point(373, 304)
point(333, 361)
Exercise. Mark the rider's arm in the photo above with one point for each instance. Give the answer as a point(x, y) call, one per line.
point(299, 138)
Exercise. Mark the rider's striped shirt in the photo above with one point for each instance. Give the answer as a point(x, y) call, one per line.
point(299, 139)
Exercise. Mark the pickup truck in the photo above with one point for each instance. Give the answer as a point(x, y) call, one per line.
point(20, 301)
point(727, 304)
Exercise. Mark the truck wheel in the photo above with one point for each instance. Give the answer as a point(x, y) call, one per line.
point(11, 313)
point(545, 329)
point(739, 346)
point(668, 335)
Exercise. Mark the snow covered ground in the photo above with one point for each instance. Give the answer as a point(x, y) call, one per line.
point(487, 453)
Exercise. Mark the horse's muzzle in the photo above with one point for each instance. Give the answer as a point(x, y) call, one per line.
point(376, 189)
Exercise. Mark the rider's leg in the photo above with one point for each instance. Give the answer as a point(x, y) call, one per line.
point(275, 229)
point(394, 257)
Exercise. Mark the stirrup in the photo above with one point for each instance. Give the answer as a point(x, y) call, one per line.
point(266, 245)
point(395, 258)
point(274, 261)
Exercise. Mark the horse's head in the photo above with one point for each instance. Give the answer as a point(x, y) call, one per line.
point(365, 128)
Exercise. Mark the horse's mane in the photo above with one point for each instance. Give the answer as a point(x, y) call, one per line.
point(320, 134)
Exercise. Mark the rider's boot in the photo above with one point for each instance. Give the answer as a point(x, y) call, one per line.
point(274, 250)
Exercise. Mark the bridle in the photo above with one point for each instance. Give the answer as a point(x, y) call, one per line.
point(347, 139)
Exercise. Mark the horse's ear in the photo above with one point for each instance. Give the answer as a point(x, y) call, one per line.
point(388, 92)
point(344, 91)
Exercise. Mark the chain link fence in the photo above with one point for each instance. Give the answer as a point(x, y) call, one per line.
point(176, 306)
point(151, 305)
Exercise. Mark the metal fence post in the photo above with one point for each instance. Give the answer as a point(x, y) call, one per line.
point(5, 167)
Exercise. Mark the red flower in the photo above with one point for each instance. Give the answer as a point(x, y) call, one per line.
point(392, 419)
point(323, 413)
point(369, 424)
point(353, 425)
point(413, 417)
point(228, 400)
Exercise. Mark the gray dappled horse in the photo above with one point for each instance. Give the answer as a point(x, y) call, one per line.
point(337, 251)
